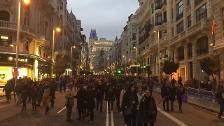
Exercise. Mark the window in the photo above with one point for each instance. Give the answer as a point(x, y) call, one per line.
point(201, 13)
point(152, 7)
point(158, 19)
point(189, 21)
point(189, 2)
point(172, 31)
point(4, 16)
point(180, 27)
point(180, 53)
point(202, 45)
point(180, 9)
point(158, 4)
point(164, 16)
point(197, 2)
point(134, 36)
point(189, 50)
point(160, 34)
point(191, 70)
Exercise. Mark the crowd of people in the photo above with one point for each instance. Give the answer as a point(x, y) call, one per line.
point(131, 95)
point(133, 98)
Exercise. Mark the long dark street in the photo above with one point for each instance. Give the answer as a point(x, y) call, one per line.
point(11, 115)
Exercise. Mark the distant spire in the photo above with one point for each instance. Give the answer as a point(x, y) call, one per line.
point(93, 35)
point(116, 39)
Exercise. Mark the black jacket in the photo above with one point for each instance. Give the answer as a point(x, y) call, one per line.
point(91, 99)
point(165, 92)
point(148, 109)
point(130, 101)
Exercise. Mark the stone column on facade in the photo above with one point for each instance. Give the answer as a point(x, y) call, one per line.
point(194, 58)
point(186, 62)
point(222, 68)
point(193, 19)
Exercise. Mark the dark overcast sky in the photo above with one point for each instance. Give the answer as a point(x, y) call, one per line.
point(107, 16)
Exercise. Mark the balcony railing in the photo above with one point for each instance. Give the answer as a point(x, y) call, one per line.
point(13, 26)
point(202, 25)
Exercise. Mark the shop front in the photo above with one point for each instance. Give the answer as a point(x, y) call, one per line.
point(28, 66)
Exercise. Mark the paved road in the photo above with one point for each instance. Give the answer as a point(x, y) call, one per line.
point(10, 115)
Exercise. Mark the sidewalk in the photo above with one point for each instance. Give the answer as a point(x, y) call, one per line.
point(200, 102)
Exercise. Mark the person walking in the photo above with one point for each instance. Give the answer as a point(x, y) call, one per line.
point(8, 89)
point(129, 106)
point(148, 109)
point(80, 96)
point(46, 99)
point(110, 96)
point(24, 95)
point(220, 99)
point(140, 96)
point(34, 95)
point(180, 94)
point(173, 91)
point(99, 96)
point(165, 93)
point(91, 102)
point(69, 102)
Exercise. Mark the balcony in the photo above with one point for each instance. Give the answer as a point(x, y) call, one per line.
point(8, 26)
point(203, 25)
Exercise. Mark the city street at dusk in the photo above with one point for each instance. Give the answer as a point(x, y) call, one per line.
point(111, 62)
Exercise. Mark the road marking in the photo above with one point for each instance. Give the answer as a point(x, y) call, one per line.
point(112, 118)
point(61, 110)
point(107, 116)
point(177, 121)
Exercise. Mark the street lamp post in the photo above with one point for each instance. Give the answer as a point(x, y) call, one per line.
point(27, 3)
point(124, 64)
point(72, 47)
point(136, 58)
point(57, 29)
point(158, 53)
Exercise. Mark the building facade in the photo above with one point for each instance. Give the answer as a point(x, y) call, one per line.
point(37, 23)
point(183, 31)
point(99, 52)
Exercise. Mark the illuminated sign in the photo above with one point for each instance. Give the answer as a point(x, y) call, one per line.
point(4, 37)
point(25, 60)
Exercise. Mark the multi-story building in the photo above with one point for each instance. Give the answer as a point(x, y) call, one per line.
point(185, 31)
point(37, 23)
point(129, 42)
point(99, 52)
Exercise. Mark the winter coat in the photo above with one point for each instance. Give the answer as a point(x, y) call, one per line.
point(165, 92)
point(80, 98)
point(99, 92)
point(148, 109)
point(173, 92)
point(130, 102)
point(69, 98)
point(110, 93)
point(91, 99)
point(180, 92)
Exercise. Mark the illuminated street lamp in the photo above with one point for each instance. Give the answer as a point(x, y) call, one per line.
point(136, 57)
point(55, 30)
point(72, 47)
point(26, 3)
